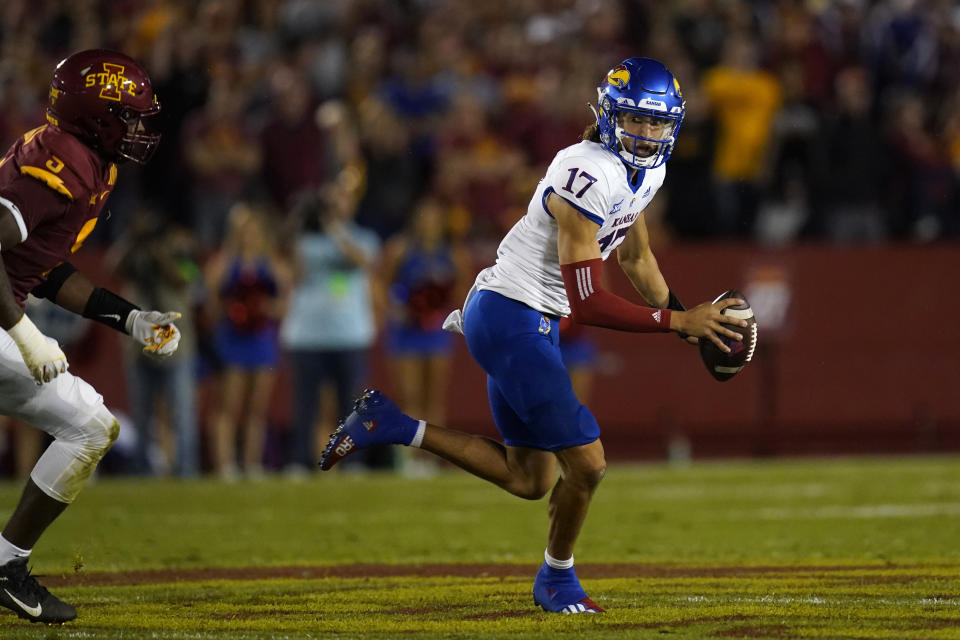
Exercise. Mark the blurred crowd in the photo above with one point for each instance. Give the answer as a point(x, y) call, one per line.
point(806, 119)
point(329, 167)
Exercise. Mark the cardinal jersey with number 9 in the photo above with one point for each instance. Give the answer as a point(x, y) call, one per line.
point(58, 187)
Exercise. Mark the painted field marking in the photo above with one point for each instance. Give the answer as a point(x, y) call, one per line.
point(769, 599)
point(744, 491)
point(851, 512)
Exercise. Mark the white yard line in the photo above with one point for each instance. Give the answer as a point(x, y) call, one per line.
point(849, 512)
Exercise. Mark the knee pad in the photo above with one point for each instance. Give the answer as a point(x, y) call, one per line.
point(67, 463)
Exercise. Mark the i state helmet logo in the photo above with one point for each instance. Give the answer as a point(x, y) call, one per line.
point(111, 82)
point(619, 76)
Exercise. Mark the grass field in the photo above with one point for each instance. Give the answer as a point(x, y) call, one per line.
point(850, 548)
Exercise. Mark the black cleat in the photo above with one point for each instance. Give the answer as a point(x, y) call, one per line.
point(21, 593)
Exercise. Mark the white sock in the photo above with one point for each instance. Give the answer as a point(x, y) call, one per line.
point(10, 551)
point(418, 439)
point(557, 564)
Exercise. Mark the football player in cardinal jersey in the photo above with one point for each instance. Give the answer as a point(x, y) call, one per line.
point(54, 182)
point(589, 204)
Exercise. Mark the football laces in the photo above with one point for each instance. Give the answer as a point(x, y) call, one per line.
point(753, 341)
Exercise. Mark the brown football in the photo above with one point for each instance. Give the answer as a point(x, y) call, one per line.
point(724, 366)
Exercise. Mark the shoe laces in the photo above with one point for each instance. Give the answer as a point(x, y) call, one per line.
point(335, 434)
point(369, 397)
point(21, 579)
point(361, 402)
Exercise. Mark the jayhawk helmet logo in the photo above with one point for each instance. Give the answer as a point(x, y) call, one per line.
point(639, 86)
point(619, 76)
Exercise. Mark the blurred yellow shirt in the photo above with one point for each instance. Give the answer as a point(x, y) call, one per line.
point(745, 104)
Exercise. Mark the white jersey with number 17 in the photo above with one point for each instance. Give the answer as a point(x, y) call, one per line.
point(596, 183)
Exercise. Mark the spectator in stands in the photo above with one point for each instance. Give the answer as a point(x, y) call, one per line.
point(427, 275)
point(951, 128)
point(159, 264)
point(180, 75)
point(331, 326)
point(295, 149)
point(745, 99)
point(795, 164)
point(476, 166)
point(385, 141)
point(416, 93)
point(419, 59)
point(690, 203)
point(221, 151)
point(924, 182)
point(857, 167)
point(248, 287)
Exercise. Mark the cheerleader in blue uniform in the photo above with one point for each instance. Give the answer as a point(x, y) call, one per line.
point(249, 287)
point(427, 273)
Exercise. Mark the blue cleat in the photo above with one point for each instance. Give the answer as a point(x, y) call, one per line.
point(375, 420)
point(559, 591)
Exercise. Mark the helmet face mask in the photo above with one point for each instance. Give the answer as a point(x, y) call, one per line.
point(139, 141)
point(641, 110)
point(648, 150)
point(105, 98)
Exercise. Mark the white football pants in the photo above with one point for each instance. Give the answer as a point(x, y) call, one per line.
point(67, 408)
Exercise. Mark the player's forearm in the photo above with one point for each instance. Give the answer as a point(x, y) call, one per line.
point(644, 274)
point(590, 304)
point(74, 293)
point(79, 295)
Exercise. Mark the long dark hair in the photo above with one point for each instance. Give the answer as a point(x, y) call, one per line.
point(591, 133)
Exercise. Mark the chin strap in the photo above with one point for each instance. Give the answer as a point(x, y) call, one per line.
point(596, 114)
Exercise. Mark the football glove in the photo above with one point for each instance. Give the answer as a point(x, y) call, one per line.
point(155, 331)
point(41, 354)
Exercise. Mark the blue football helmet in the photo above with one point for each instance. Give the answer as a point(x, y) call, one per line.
point(640, 86)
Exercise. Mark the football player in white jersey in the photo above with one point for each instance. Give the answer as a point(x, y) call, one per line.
point(549, 265)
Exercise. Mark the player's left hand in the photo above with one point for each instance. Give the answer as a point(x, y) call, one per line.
point(155, 331)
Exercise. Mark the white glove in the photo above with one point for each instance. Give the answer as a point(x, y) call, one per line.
point(43, 356)
point(155, 331)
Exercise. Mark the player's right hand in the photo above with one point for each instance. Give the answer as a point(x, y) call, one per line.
point(43, 356)
point(155, 331)
point(706, 320)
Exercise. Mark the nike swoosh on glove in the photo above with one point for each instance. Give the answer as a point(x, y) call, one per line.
point(42, 355)
point(155, 331)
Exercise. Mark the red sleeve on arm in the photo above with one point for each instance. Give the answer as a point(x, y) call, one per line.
point(591, 304)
